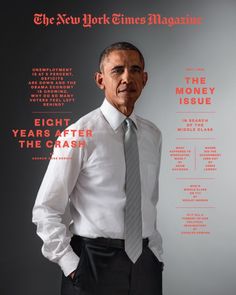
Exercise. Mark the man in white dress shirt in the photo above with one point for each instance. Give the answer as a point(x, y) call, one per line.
point(92, 254)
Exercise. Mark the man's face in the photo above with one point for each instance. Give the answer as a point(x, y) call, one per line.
point(122, 78)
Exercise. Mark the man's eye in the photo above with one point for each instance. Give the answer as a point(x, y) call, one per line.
point(117, 70)
point(136, 70)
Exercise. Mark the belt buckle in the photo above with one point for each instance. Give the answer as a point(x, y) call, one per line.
point(145, 242)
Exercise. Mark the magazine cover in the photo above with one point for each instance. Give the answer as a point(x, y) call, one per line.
point(51, 78)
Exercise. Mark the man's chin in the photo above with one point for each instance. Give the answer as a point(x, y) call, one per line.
point(128, 96)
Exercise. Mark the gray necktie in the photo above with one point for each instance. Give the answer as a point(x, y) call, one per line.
point(133, 216)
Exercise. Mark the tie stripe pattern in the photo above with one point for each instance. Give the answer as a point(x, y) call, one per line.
point(133, 215)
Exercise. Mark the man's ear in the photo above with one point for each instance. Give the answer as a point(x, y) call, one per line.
point(145, 78)
point(98, 77)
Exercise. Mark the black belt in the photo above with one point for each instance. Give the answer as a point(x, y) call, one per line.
point(108, 242)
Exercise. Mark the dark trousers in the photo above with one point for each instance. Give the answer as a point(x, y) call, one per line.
point(105, 269)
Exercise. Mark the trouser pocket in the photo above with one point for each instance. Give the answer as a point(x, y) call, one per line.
point(160, 263)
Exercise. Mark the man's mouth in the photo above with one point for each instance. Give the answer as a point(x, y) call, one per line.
point(127, 89)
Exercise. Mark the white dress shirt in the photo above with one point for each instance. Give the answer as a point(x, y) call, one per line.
point(93, 181)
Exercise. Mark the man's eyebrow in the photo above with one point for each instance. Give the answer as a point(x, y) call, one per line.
point(121, 67)
point(136, 67)
point(117, 67)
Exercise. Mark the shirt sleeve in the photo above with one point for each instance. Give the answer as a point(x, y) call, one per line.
point(52, 198)
point(155, 240)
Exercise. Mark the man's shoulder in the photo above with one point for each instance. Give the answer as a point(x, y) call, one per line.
point(89, 120)
point(148, 125)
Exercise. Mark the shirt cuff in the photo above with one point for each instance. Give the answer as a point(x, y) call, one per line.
point(155, 244)
point(69, 262)
point(156, 253)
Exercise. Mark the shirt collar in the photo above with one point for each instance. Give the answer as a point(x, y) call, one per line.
point(114, 117)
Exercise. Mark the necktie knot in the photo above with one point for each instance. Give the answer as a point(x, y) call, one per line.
point(128, 124)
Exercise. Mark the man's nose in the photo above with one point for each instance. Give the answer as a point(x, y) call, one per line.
point(126, 76)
